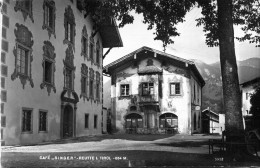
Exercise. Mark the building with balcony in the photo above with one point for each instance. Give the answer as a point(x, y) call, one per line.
point(51, 70)
point(153, 92)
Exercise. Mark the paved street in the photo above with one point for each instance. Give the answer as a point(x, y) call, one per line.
point(177, 150)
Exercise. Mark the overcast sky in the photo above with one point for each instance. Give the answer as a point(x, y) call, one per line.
point(189, 45)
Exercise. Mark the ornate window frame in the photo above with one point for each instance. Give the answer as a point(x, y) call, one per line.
point(91, 49)
point(69, 19)
point(69, 65)
point(91, 87)
point(98, 86)
point(48, 55)
point(170, 89)
point(84, 76)
point(84, 46)
point(23, 40)
point(98, 53)
point(20, 5)
point(49, 4)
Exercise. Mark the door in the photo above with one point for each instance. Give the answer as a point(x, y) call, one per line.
point(68, 122)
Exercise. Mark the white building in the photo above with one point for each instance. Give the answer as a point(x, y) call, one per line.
point(51, 71)
point(152, 91)
point(247, 89)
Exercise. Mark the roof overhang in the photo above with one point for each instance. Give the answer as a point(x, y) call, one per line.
point(131, 56)
point(110, 34)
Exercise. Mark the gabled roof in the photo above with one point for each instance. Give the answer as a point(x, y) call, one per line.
point(110, 34)
point(131, 56)
point(251, 82)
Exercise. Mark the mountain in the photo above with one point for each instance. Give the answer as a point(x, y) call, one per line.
point(212, 91)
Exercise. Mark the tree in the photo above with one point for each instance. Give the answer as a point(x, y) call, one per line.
point(218, 19)
point(255, 107)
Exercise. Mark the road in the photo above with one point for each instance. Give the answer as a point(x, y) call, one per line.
point(177, 150)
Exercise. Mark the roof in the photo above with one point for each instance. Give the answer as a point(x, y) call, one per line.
point(251, 82)
point(121, 61)
point(110, 34)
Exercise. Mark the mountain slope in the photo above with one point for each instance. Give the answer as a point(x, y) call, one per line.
point(212, 91)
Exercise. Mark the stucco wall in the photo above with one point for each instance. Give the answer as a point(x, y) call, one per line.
point(37, 98)
point(179, 105)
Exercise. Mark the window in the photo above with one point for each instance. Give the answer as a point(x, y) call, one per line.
point(23, 54)
point(175, 89)
point(147, 89)
point(27, 120)
point(68, 78)
point(3, 121)
point(49, 17)
point(91, 50)
point(97, 53)
point(91, 83)
point(69, 24)
point(97, 91)
point(97, 86)
point(95, 121)
point(91, 88)
point(247, 95)
point(69, 35)
point(84, 42)
point(48, 71)
point(48, 67)
point(86, 120)
point(43, 121)
point(84, 81)
point(125, 90)
point(84, 85)
point(22, 60)
point(84, 45)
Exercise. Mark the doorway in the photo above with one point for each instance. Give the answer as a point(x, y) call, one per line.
point(68, 122)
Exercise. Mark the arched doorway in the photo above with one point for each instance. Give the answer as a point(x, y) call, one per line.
point(134, 120)
point(68, 121)
point(168, 120)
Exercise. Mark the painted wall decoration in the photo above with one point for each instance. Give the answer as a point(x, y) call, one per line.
point(23, 54)
point(84, 82)
point(49, 17)
point(69, 25)
point(48, 64)
point(84, 43)
point(25, 7)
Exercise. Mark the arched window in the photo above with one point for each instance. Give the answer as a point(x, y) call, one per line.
point(168, 120)
point(134, 121)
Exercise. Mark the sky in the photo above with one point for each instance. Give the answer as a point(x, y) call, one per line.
point(189, 45)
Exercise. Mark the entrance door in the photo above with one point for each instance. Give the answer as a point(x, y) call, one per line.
point(68, 122)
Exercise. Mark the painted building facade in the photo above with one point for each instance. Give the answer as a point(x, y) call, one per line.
point(153, 92)
point(51, 71)
point(247, 89)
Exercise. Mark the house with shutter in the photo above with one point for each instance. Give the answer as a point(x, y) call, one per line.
point(155, 92)
point(51, 70)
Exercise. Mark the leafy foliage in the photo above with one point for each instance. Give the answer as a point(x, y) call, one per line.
point(254, 100)
point(164, 15)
